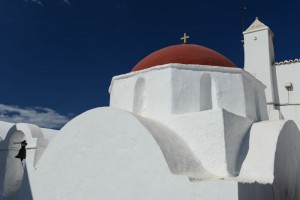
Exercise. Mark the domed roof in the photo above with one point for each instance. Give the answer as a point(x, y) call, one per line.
point(184, 54)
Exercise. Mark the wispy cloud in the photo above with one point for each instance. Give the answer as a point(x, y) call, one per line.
point(37, 2)
point(67, 2)
point(43, 117)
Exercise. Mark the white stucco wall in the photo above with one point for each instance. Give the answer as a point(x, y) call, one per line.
point(112, 154)
point(187, 85)
point(15, 179)
point(274, 157)
point(106, 149)
point(213, 134)
point(200, 121)
point(153, 99)
point(291, 112)
point(288, 102)
point(122, 160)
point(288, 73)
point(255, 99)
point(176, 89)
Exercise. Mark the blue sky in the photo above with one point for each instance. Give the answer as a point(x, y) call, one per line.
point(58, 56)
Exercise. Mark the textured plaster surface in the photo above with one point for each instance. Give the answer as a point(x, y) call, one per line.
point(120, 155)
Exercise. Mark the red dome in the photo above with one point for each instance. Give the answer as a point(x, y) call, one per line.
point(184, 54)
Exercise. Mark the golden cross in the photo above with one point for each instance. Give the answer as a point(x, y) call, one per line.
point(184, 38)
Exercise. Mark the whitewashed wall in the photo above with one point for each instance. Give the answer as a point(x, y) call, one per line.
point(274, 157)
point(144, 93)
point(288, 73)
point(178, 89)
point(205, 105)
point(16, 180)
point(288, 102)
point(109, 153)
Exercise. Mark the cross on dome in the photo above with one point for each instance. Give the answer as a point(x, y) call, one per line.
point(184, 38)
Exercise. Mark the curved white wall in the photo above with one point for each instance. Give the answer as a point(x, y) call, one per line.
point(14, 172)
point(108, 153)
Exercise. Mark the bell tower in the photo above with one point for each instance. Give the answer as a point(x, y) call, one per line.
point(259, 55)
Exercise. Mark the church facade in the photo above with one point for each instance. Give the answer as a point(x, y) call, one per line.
point(185, 123)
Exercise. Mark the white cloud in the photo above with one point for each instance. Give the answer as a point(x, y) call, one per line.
point(43, 117)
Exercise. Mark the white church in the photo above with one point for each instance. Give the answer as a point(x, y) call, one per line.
point(185, 123)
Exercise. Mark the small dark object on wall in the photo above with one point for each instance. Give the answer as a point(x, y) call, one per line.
point(22, 151)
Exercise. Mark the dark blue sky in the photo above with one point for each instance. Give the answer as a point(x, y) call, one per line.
point(62, 56)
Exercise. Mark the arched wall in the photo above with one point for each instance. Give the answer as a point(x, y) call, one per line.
point(273, 157)
point(287, 163)
point(122, 152)
point(13, 172)
point(14, 169)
